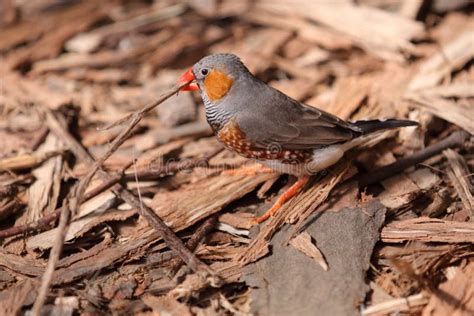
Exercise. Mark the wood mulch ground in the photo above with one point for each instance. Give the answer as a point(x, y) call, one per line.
point(94, 172)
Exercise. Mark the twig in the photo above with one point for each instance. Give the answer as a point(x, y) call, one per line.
point(26, 161)
point(52, 261)
point(166, 233)
point(454, 140)
point(173, 242)
point(71, 205)
point(396, 305)
point(193, 242)
point(19, 180)
point(39, 225)
point(135, 118)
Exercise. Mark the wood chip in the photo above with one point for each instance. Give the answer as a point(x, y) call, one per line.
point(193, 202)
point(452, 56)
point(308, 31)
point(87, 42)
point(26, 161)
point(257, 47)
point(304, 243)
point(51, 43)
point(357, 22)
point(428, 230)
point(456, 112)
point(459, 175)
point(44, 192)
point(396, 305)
point(454, 296)
point(100, 59)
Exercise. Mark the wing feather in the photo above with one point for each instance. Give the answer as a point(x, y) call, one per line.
point(302, 127)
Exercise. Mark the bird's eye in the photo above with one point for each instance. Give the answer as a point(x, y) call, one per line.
point(204, 71)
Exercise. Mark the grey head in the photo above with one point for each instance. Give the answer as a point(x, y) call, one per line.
point(229, 64)
point(221, 77)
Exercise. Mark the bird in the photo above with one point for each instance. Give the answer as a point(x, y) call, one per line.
point(261, 123)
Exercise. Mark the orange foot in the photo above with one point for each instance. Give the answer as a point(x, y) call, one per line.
point(287, 195)
point(249, 170)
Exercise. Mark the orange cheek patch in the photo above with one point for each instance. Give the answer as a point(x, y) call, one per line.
point(217, 84)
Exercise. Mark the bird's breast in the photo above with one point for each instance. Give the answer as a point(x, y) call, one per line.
point(234, 138)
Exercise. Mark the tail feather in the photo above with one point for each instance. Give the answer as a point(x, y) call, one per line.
point(370, 126)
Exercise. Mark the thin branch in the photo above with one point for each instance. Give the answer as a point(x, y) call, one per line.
point(173, 242)
point(52, 261)
point(135, 118)
point(194, 242)
point(78, 195)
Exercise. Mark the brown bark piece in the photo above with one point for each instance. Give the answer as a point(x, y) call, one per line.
point(428, 230)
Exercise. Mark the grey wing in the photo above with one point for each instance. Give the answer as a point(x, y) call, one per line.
point(301, 127)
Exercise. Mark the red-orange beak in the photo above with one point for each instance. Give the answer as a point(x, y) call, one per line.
point(187, 77)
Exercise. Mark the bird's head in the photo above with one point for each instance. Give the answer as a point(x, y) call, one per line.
point(214, 75)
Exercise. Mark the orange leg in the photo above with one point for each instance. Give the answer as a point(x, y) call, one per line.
point(287, 195)
point(249, 170)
